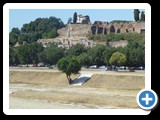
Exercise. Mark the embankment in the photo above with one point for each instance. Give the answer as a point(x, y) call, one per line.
point(97, 80)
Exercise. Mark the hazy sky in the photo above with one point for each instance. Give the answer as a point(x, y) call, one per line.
point(18, 17)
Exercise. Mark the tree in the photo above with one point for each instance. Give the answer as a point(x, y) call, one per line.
point(22, 37)
point(53, 33)
point(28, 53)
point(69, 20)
point(117, 59)
point(13, 56)
point(13, 36)
point(69, 66)
point(38, 29)
point(142, 16)
point(51, 55)
point(135, 57)
point(95, 54)
point(107, 53)
point(34, 49)
point(75, 50)
point(136, 15)
point(23, 54)
point(75, 18)
point(84, 59)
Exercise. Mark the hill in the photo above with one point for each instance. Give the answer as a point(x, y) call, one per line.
point(84, 33)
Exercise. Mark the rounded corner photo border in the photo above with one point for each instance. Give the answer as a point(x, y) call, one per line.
point(6, 18)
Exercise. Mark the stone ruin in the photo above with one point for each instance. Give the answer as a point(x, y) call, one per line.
point(77, 33)
point(100, 27)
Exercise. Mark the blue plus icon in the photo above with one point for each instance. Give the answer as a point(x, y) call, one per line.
point(147, 99)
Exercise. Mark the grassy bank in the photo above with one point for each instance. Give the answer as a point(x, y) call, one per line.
point(96, 81)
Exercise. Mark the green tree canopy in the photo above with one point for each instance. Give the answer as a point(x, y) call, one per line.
point(69, 66)
point(106, 55)
point(28, 53)
point(69, 20)
point(84, 59)
point(142, 16)
point(38, 29)
point(51, 55)
point(13, 56)
point(117, 59)
point(75, 18)
point(75, 50)
point(13, 36)
point(96, 54)
point(136, 15)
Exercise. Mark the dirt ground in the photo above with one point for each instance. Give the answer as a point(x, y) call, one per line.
point(46, 89)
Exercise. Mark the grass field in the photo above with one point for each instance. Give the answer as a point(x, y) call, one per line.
point(105, 89)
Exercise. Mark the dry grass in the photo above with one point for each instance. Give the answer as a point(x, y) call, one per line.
point(47, 78)
point(73, 98)
point(101, 90)
point(96, 81)
point(116, 82)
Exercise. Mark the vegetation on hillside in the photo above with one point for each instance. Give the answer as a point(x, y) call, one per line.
point(98, 55)
point(38, 29)
point(116, 37)
point(71, 60)
point(120, 21)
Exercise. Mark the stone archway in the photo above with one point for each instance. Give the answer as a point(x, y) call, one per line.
point(112, 29)
point(100, 30)
point(118, 30)
point(93, 29)
point(133, 29)
point(127, 31)
point(105, 31)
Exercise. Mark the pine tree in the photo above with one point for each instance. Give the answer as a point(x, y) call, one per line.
point(75, 18)
point(142, 16)
point(136, 15)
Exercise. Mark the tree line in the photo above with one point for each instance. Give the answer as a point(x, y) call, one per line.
point(71, 60)
point(34, 53)
point(137, 17)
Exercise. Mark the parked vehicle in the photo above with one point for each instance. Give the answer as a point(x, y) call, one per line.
point(51, 67)
point(139, 68)
point(93, 67)
point(103, 67)
point(34, 65)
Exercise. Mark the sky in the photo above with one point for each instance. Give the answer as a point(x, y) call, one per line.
point(18, 17)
